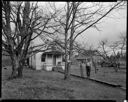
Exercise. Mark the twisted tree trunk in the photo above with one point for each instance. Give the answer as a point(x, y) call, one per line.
point(14, 70)
point(17, 67)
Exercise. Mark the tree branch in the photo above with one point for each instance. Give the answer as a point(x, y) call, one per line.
point(97, 20)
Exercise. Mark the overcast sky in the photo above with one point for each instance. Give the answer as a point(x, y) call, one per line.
point(110, 28)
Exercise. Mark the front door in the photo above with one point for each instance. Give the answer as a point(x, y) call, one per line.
point(27, 61)
point(54, 60)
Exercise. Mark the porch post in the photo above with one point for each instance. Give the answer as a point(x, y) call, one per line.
point(46, 61)
point(52, 60)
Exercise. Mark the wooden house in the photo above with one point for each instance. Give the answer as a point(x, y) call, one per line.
point(47, 59)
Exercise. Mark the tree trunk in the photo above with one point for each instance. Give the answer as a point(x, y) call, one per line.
point(70, 48)
point(14, 71)
point(67, 75)
point(68, 66)
point(69, 63)
point(20, 70)
point(66, 69)
point(16, 67)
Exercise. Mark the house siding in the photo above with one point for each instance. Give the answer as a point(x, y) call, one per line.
point(32, 62)
point(38, 61)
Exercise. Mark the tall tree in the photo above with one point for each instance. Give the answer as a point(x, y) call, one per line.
point(20, 21)
point(77, 17)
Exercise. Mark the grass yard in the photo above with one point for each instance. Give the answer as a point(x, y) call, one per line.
point(106, 74)
point(50, 85)
point(6, 61)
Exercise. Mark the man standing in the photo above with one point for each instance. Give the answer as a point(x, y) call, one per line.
point(88, 67)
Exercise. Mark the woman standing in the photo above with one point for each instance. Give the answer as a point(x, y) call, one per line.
point(81, 69)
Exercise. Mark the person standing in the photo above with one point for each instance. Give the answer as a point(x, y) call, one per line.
point(88, 67)
point(81, 69)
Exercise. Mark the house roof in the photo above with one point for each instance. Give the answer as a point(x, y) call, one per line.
point(54, 52)
point(82, 57)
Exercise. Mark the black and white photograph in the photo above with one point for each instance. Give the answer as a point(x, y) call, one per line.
point(64, 50)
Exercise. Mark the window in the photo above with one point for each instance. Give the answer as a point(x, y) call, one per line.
point(43, 57)
point(49, 55)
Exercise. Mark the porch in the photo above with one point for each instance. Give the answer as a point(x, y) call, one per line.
point(52, 59)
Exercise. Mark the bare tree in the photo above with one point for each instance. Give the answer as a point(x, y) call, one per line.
point(115, 58)
point(110, 51)
point(122, 42)
point(77, 17)
point(103, 49)
point(118, 47)
point(20, 24)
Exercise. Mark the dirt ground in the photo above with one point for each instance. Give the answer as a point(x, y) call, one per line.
point(50, 85)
